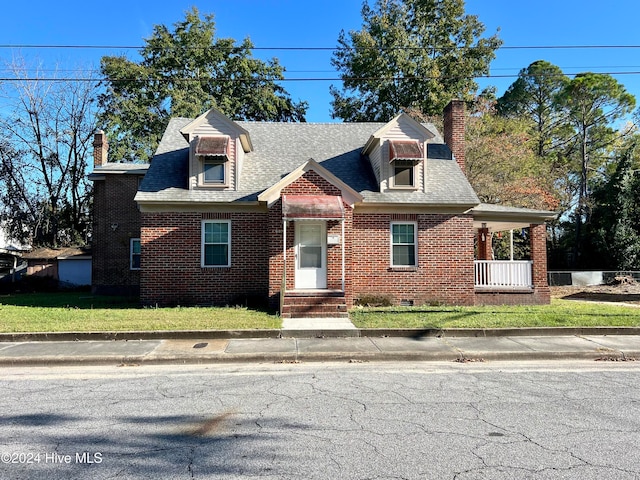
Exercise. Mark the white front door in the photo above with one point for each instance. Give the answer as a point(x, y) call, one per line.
point(311, 255)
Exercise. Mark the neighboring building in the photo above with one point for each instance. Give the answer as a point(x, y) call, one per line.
point(11, 251)
point(69, 266)
point(307, 217)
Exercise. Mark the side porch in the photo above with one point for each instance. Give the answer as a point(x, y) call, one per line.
point(510, 281)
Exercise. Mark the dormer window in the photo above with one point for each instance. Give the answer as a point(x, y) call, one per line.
point(404, 155)
point(403, 174)
point(214, 171)
point(213, 154)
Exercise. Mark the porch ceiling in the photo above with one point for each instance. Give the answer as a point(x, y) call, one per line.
point(326, 207)
point(500, 218)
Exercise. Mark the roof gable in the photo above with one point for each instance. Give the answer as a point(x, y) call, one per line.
point(212, 117)
point(403, 122)
point(272, 194)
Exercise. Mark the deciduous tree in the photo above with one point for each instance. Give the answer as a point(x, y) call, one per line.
point(501, 161)
point(184, 72)
point(46, 129)
point(416, 54)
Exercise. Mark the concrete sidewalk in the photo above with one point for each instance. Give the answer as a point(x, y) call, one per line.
point(358, 349)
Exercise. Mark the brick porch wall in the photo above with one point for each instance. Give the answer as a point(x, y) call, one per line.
point(171, 254)
point(541, 294)
point(445, 271)
point(116, 220)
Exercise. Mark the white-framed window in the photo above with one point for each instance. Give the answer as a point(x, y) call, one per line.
point(404, 174)
point(404, 244)
point(135, 251)
point(213, 156)
point(216, 243)
point(214, 171)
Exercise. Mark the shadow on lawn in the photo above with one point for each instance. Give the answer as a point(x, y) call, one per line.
point(84, 300)
point(72, 300)
point(604, 297)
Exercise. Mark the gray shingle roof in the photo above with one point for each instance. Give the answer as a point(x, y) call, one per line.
point(280, 148)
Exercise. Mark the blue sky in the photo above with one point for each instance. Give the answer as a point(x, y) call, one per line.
point(295, 23)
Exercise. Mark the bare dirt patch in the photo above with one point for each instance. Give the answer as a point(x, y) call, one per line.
point(621, 290)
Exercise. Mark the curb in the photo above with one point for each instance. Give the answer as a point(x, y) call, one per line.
point(278, 333)
point(150, 335)
point(353, 357)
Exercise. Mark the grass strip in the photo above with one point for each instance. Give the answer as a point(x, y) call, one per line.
point(561, 313)
point(78, 312)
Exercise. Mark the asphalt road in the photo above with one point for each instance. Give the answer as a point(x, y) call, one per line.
point(516, 420)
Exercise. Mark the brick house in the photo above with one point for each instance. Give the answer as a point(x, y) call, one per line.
point(307, 217)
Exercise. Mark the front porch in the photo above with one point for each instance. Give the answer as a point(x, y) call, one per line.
point(510, 281)
point(503, 274)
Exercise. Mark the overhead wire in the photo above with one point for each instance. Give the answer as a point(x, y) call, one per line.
point(296, 79)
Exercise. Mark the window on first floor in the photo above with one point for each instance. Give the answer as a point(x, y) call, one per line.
point(403, 244)
point(216, 243)
point(134, 253)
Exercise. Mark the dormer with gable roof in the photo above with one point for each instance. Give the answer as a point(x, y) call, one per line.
point(397, 153)
point(217, 147)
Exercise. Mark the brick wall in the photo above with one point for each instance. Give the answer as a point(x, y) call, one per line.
point(116, 219)
point(540, 294)
point(171, 261)
point(308, 184)
point(445, 259)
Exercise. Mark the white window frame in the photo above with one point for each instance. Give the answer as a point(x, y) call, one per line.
point(415, 243)
point(218, 161)
point(202, 244)
point(131, 254)
point(414, 172)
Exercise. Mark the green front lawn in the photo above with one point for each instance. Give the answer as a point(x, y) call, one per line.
point(78, 312)
point(561, 313)
point(82, 312)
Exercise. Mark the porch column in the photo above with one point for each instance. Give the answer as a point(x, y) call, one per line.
point(485, 251)
point(538, 235)
point(284, 255)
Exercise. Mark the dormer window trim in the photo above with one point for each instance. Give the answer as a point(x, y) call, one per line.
point(404, 157)
point(213, 155)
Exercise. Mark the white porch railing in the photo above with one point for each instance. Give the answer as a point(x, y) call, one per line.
point(503, 273)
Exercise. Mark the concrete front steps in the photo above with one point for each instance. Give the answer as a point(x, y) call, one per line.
point(314, 304)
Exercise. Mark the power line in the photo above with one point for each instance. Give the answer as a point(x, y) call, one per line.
point(301, 79)
point(515, 69)
point(285, 48)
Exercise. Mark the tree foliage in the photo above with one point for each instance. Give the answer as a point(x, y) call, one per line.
point(572, 121)
point(46, 131)
point(613, 235)
point(416, 54)
point(534, 96)
point(501, 161)
point(592, 103)
point(184, 72)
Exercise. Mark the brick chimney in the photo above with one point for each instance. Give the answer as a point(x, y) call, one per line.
point(100, 149)
point(454, 130)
